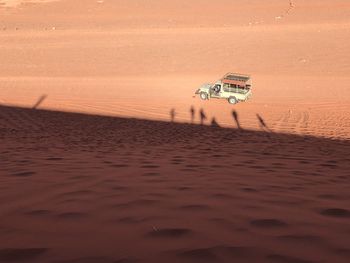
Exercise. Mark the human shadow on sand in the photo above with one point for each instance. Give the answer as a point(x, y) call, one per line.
point(89, 131)
point(39, 102)
point(108, 126)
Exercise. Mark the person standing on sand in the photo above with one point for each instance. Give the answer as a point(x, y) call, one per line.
point(192, 111)
point(202, 116)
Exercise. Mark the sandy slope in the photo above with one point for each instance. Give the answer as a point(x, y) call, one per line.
point(95, 189)
point(78, 188)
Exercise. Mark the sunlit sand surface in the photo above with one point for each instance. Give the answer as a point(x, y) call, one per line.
point(300, 73)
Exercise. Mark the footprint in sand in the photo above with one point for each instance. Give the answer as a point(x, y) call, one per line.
point(268, 223)
point(195, 207)
point(169, 232)
point(24, 174)
point(336, 212)
point(135, 203)
point(131, 220)
point(330, 196)
point(219, 254)
point(72, 215)
point(285, 259)
point(40, 212)
point(150, 166)
point(96, 260)
point(20, 254)
point(302, 239)
point(199, 255)
point(54, 159)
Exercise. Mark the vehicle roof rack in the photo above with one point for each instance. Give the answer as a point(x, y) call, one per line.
point(236, 76)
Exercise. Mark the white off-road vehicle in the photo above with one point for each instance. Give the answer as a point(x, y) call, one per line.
point(233, 87)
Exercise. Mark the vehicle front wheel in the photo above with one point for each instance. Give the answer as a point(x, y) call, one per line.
point(203, 95)
point(232, 100)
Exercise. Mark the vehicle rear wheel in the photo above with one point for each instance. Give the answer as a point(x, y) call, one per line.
point(232, 100)
point(203, 95)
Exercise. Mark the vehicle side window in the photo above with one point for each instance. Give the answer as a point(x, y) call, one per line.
point(226, 87)
point(231, 88)
point(241, 89)
point(234, 88)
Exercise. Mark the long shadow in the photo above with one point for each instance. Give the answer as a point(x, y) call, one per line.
point(68, 121)
point(262, 123)
point(202, 116)
point(193, 113)
point(235, 118)
point(172, 115)
point(39, 102)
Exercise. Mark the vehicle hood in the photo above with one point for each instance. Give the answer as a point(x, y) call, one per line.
point(205, 86)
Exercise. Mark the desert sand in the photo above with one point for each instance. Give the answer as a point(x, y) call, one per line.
point(92, 168)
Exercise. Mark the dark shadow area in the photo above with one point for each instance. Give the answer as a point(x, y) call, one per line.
point(118, 171)
point(65, 122)
point(39, 102)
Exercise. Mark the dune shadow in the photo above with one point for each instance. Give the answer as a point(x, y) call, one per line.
point(170, 162)
point(160, 128)
point(85, 131)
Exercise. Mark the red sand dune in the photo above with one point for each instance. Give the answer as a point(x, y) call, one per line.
point(80, 188)
point(92, 169)
point(139, 59)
